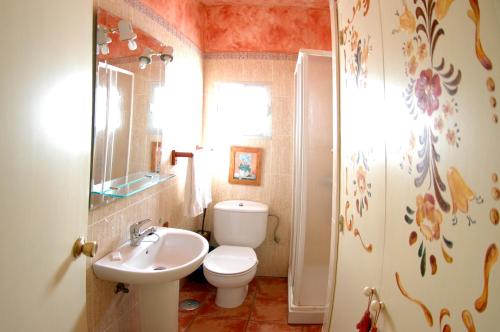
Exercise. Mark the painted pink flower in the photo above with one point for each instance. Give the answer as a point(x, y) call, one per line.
point(438, 124)
point(451, 137)
point(361, 177)
point(427, 91)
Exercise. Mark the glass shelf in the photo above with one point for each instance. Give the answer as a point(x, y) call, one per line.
point(129, 185)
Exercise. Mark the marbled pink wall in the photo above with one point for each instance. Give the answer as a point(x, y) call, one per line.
point(297, 3)
point(248, 28)
point(187, 16)
point(266, 29)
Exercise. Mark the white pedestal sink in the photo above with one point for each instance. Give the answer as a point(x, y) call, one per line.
point(156, 265)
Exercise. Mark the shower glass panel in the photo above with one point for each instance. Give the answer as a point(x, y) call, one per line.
point(310, 253)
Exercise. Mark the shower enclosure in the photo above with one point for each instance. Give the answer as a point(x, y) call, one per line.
point(312, 188)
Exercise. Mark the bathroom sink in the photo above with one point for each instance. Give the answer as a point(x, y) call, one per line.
point(167, 255)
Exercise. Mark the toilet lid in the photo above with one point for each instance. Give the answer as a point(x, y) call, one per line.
point(230, 260)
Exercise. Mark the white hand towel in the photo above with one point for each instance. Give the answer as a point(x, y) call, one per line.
point(198, 188)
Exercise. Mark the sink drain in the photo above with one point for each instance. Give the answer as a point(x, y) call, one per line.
point(189, 305)
point(159, 268)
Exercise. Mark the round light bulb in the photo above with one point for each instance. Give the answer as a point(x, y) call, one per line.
point(104, 49)
point(143, 62)
point(132, 44)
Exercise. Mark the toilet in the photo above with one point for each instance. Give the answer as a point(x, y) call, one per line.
point(239, 227)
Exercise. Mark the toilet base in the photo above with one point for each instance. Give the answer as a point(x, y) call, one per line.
point(231, 297)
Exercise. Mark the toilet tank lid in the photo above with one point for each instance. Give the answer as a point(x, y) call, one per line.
point(241, 206)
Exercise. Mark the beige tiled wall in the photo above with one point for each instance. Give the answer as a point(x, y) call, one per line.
point(276, 185)
point(108, 225)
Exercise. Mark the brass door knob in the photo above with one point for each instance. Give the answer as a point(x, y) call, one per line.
point(89, 249)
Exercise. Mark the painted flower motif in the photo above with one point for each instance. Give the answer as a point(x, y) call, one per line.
point(460, 192)
point(408, 48)
point(448, 109)
point(438, 124)
point(413, 141)
point(422, 51)
point(354, 41)
point(412, 65)
point(407, 21)
point(442, 8)
point(451, 137)
point(361, 180)
point(427, 91)
point(428, 218)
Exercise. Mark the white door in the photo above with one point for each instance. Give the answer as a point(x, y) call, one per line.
point(45, 135)
point(362, 161)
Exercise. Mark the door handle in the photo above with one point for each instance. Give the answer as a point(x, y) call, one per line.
point(80, 246)
point(341, 223)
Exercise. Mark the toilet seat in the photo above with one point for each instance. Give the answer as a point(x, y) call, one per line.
point(230, 260)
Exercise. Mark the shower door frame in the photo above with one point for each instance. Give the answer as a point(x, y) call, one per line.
point(301, 314)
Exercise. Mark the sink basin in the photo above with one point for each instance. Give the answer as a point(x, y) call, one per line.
point(167, 255)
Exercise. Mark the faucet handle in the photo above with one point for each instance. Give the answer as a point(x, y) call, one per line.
point(142, 222)
point(135, 227)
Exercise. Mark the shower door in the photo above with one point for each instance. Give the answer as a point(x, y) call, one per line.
point(309, 260)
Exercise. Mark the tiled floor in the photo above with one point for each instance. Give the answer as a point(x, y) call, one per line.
point(264, 309)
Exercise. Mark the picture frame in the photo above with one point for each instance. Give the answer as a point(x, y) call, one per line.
point(245, 165)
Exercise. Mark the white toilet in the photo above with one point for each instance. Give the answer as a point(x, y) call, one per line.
point(239, 226)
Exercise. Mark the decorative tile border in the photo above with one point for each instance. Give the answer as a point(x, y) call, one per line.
point(150, 13)
point(249, 56)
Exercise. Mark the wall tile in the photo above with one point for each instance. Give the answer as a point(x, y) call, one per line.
point(275, 188)
point(109, 224)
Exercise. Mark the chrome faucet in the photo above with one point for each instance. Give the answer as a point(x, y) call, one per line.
point(136, 236)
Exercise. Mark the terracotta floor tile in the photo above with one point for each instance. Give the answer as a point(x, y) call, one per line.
point(210, 309)
point(185, 318)
point(197, 286)
point(204, 324)
point(198, 296)
point(272, 288)
point(271, 327)
point(312, 328)
point(266, 309)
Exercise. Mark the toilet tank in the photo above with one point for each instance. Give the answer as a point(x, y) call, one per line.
point(240, 223)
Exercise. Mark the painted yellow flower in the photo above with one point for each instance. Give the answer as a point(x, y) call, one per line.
point(407, 21)
point(354, 41)
point(408, 47)
point(428, 218)
point(422, 51)
point(461, 194)
point(442, 7)
point(412, 65)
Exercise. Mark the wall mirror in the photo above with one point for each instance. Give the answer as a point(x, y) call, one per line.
point(129, 109)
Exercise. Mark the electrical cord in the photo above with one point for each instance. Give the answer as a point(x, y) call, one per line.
point(275, 237)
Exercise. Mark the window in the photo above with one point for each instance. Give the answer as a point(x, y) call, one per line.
point(243, 109)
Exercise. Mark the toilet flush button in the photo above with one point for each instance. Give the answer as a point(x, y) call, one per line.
point(240, 204)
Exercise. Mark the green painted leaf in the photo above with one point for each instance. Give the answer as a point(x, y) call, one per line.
point(409, 210)
point(420, 249)
point(448, 243)
point(408, 220)
point(423, 264)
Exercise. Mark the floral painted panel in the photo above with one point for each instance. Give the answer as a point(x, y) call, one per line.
point(442, 238)
point(362, 192)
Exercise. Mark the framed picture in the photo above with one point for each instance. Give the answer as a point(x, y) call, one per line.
point(245, 165)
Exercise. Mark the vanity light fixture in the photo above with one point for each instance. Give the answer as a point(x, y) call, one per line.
point(103, 40)
point(127, 34)
point(147, 57)
point(125, 31)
